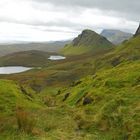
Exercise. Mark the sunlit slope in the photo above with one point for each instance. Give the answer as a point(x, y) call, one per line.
point(13, 95)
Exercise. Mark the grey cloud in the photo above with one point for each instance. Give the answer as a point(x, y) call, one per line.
point(71, 27)
point(128, 8)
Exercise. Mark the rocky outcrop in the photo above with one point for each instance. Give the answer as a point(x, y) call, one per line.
point(87, 100)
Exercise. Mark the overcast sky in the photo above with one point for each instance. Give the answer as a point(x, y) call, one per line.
point(48, 20)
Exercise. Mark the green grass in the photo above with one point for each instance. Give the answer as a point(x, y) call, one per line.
point(38, 109)
point(115, 107)
point(12, 96)
point(128, 51)
point(70, 50)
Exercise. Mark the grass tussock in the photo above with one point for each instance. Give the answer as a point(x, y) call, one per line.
point(25, 121)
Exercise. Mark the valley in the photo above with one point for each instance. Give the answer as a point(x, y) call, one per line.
point(92, 93)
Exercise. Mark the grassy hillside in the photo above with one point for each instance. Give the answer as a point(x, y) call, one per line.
point(85, 97)
point(109, 101)
point(101, 106)
point(12, 95)
point(16, 106)
point(87, 42)
point(127, 51)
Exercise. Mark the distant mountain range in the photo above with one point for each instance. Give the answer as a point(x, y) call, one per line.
point(55, 46)
point(116, 36)
point(87, 42)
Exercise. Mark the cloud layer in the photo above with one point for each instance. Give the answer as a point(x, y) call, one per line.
point(41, 20)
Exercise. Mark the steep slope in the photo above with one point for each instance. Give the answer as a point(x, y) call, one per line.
point(128, 51)
point(87, 42)
point(110, 98)
point(116, 36)
point(26, 58)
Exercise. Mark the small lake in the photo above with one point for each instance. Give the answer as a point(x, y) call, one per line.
point(13, 69)
point(56, 57)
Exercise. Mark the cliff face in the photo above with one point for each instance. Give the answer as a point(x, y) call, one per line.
point(138, 31)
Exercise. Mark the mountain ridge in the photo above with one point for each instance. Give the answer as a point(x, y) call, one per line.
point(116, 36)
point(54, 47)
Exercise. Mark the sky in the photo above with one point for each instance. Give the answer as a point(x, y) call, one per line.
point(52, 20)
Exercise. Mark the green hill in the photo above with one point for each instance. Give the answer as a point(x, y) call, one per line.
point(87, 42)
point(26, 58)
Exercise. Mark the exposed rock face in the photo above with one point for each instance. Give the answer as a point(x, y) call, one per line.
point(138, 31)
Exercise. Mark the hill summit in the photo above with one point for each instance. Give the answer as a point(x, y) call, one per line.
point(138, 31)
point(87, 41)
point(89, 38)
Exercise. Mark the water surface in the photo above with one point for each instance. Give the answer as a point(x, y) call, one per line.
point(56, 57)
point(13, 69)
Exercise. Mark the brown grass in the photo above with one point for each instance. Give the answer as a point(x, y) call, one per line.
point(25, 120)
